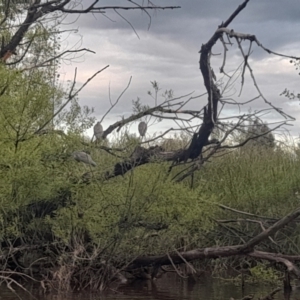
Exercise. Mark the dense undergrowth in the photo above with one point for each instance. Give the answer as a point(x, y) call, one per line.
point(69, 226)
point(70, 233)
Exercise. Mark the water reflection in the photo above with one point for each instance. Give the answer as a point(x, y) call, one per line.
point(167, 288)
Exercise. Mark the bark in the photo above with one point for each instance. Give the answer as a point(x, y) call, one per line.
point(200, 138)
point(227, 251)
point(142, 156)
point(32, 16)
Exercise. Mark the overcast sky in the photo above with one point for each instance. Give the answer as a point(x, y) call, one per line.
point(168, 53)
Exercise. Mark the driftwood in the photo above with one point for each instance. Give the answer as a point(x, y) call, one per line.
point(246, 249)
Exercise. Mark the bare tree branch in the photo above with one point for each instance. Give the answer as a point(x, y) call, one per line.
point(37, 11)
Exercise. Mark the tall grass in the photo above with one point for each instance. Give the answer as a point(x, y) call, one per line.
point(257, 180)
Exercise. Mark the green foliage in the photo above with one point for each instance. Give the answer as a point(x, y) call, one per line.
point(123, 215)
point(33, 167)
point(141, 213)
point(44, 199)
point(261, 273)
point(260, 182)
point(25, 103)
point(40, 43)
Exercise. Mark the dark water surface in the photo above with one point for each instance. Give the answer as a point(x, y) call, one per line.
point(167, 288)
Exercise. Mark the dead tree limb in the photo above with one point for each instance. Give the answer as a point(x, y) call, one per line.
point(225, 251)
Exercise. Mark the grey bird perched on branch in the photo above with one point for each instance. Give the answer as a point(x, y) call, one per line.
point(84, 157)
point(98, 131)
point(142, 128)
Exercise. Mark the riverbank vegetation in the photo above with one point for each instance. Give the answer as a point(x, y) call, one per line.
point(57, 228)
point(80, 212)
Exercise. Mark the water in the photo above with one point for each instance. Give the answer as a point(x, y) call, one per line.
point(170, 287)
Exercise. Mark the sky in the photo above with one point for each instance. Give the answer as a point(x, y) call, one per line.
point(168, 52)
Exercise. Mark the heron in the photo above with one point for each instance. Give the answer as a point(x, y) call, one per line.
point(98, 131)
point(142, 128)
point(82, 156)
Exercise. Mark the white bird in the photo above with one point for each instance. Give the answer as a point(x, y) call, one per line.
point(142, 128)
point(84, 157)
point(98, 131)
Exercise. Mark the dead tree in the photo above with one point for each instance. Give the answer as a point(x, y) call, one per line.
point(209, 116)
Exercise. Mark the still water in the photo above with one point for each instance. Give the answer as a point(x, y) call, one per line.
point(168, 288)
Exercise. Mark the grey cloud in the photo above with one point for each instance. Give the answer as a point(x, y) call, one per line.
point(257, 15)
point(168, 52)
